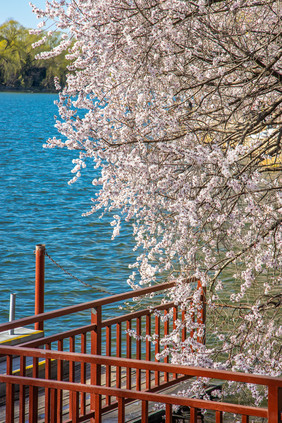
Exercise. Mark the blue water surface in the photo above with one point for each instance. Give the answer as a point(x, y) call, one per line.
point(37, 206)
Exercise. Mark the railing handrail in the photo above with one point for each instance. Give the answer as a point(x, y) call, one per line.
point(88, 328)
point(88, 305)
point(58, 336)
point(138, 395)
point(143, 365)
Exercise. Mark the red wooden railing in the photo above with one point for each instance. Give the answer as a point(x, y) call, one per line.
point(76, 412)
point(109, 336)
point(101, 367)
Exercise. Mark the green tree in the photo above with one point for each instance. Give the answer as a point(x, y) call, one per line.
point(19, 68)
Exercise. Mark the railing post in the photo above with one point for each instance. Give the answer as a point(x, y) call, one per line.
point(218, 417)
point(10, 391)
point(118, 353)
point(274, 404)
point(168, 413)
point(96, 319)
point(39, 283)
point(193, 415)
point(157, 347)
point(121, 413)
point(144, 411)
point(201, 315)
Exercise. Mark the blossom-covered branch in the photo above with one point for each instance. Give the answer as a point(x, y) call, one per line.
point(179, 105)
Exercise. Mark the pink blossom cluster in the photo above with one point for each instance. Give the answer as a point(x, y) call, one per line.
point(178, 105)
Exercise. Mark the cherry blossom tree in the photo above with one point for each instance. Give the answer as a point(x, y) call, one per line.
point(178, 103)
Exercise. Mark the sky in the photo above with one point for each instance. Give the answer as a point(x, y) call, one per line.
point(20, 11)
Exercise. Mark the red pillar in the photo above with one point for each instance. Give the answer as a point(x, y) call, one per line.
point(39, 283)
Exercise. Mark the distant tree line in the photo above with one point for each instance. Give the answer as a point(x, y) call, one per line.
point(19, 69)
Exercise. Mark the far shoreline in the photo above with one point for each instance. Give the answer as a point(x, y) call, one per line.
point(26, 90)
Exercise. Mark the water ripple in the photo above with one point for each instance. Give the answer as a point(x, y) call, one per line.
point(37, 206)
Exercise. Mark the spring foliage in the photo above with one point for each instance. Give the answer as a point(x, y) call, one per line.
point(179, 105)
point(18, 67)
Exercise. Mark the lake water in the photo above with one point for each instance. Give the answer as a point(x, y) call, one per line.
point(37, 206)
